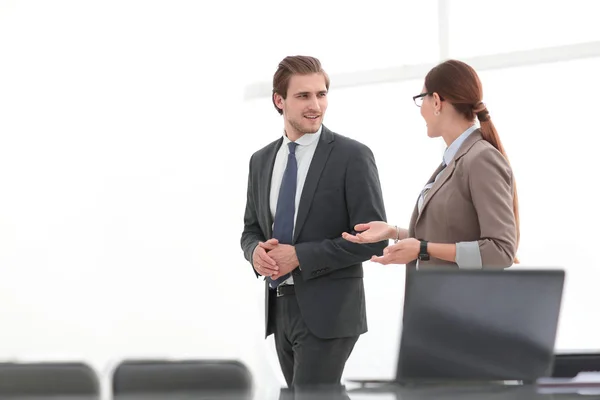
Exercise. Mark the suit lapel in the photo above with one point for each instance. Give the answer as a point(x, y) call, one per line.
point(468, 143)
point(267, 175)
point(415, 214)
point(317, 165)
point(464, 148)
point(413, 220)
point(437, 185)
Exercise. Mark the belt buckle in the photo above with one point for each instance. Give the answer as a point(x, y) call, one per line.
point(278, 291)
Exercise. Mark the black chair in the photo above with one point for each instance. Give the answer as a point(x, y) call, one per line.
point(569, 365)
point(48, 379)
point(142, 378)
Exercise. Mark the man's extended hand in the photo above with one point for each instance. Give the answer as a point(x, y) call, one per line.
point(263, 263)
point(284, 256)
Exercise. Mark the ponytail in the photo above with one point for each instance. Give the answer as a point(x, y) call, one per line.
point(489, 133)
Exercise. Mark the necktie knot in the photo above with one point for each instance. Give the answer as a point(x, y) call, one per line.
point(292, 146)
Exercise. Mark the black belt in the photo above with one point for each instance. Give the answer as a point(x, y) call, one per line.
point(285, 290)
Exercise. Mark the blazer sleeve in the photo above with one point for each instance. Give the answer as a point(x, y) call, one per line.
point(491, 185)
point(365, 203)
point(252, 233)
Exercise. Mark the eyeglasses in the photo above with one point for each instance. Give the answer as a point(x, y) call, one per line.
point(418, 99)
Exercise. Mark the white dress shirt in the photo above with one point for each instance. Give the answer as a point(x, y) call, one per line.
point(305, 151)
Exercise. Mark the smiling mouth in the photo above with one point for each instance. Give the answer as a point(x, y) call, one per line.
point(312, 117)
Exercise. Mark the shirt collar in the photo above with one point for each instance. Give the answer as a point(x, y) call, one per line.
point(306, 139)
point(454, 146)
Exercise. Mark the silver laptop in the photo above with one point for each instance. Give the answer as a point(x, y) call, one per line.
point(478, 325)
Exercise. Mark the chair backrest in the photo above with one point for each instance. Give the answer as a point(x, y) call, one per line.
point(48, 379)
point(132, 377)
point(569, 365)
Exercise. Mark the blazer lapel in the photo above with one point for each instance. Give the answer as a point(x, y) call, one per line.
point(317, 164)
point(413, 220)
point(267, 175)
point(468, 143)
point(436, 186)
point(415, 214)
point(464, 148)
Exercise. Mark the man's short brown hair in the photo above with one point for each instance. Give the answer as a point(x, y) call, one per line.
point(294, 65)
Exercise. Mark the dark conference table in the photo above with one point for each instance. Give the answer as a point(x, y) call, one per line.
point(441, 392)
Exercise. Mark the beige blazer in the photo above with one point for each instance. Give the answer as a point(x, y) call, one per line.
point(471, 201)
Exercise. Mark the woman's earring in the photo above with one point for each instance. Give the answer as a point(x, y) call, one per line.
point(436, 113)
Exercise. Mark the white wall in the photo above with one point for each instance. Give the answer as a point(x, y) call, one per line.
point(124, 145)
point(122, 184)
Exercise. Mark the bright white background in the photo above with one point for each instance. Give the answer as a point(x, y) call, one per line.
point(125, 140)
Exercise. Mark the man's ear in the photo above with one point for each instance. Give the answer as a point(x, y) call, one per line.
point(278, 100)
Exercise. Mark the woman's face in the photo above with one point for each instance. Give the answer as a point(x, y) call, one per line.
point(431, 113)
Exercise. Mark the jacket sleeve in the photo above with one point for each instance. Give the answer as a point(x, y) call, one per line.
point(491, 185)
point(365, 203)
point(252, 233)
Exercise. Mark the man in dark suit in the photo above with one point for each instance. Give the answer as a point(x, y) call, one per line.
point(304, 190)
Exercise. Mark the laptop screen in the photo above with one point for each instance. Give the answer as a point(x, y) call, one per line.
point(479, 324)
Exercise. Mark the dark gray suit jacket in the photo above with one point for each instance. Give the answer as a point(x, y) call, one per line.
point(341, 190)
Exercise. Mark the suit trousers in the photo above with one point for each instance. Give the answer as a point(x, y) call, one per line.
point(305, 359)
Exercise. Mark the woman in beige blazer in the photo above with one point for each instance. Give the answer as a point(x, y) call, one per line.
point(467, 215)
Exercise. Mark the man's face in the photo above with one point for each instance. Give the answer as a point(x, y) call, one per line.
point(305, 105)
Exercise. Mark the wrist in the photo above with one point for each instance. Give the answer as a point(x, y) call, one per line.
point(296, 261)
point(393, 232)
